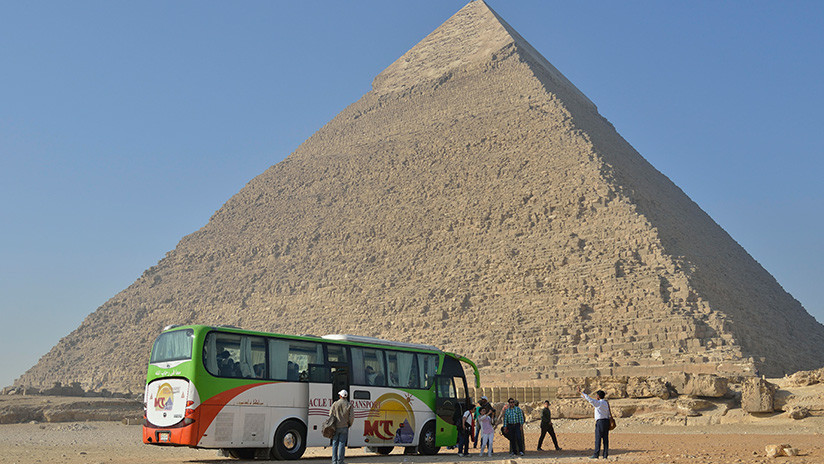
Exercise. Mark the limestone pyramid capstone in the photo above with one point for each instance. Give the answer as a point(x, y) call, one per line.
point(476, 200)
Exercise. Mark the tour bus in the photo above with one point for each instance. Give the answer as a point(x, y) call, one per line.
point(255, 394)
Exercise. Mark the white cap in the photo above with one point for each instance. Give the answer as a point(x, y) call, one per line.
point(484, 398)
point(343, 393)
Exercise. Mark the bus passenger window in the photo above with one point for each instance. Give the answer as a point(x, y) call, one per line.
point(290, 359)
point(446, 388)
point(336, 354)
point(427, 367)
point(231, 355)
point(402, 369)
point(368, 367)
point(252, 352)
point(222, 355)
point(225, 364)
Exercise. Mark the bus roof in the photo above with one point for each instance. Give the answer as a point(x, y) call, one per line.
point(344, 338)
point(378, 341)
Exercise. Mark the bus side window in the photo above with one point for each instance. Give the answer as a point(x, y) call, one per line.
point(221, 352)
point(336, 354)
point(210, 354)
point(446, 388)
point(402, 369)
point(427, 367)
point(252, 353)
point(368, 366)
point(291, 360)
point(320, 373)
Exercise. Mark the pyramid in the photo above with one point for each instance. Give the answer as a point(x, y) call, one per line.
point(473, 199)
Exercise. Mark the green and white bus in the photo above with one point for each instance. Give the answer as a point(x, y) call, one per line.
point(256, 394)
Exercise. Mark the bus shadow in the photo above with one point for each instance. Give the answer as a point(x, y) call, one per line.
point(448, 456)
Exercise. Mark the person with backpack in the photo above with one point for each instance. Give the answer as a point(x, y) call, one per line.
point(463, 420)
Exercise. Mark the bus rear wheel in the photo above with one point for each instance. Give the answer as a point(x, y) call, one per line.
point(290, 441)
point(384, 450)
point(427, 441)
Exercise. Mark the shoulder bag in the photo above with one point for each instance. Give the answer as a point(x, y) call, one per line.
point(328, 428)
point(612, 423)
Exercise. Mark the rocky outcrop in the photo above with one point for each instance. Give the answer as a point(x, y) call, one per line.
point(68, 409)
point(798, 412)
point(774, 451)
point(647, 387)
point(705, 385)
point(758, 396)
point(804, 378)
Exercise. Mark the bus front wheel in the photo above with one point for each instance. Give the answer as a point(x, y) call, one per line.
point(427, 441)
point(290, 440)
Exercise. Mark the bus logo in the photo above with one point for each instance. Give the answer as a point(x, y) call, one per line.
point(397, 423)
point(165, 398)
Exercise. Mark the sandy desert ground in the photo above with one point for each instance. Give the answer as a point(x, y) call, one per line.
point(632, 442)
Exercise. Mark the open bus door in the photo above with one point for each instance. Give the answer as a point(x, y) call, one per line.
point(325, 381)
point(448, 383)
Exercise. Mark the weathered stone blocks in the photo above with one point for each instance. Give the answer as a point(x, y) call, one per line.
point(757, 395)
point(641, 387)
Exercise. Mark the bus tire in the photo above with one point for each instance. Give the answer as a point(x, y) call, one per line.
point(290, 441)
point(384, 450)
point(426, 445)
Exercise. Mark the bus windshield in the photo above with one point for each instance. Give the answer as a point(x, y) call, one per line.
point(173, 346)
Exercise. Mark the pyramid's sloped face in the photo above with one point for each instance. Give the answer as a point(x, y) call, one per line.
point(488, 211)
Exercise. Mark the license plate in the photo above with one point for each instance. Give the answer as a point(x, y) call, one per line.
point(164, 436)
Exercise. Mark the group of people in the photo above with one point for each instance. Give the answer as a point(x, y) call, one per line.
point(475, 423)
point(478, 422)
point(482, 422)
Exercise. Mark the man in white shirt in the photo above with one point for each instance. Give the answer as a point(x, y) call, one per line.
point(602, 414)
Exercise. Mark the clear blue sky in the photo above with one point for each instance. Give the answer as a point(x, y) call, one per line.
point(125, 125)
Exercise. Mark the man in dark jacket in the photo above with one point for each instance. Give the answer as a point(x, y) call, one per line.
point(546, 427)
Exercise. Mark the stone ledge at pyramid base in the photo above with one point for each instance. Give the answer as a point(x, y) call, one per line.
point(734, 388)
point(553, 376)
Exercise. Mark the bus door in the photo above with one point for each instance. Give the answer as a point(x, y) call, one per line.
point(325, 381)
point(340, 381)
point(447, 402)
point(319, 404)
point(337, 357)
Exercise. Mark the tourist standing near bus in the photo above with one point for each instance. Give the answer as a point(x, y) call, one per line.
point(481, 403)
point(487, 431)
point(601, 421)
point(465, 430)
point(342, 411)
point(513, 422)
